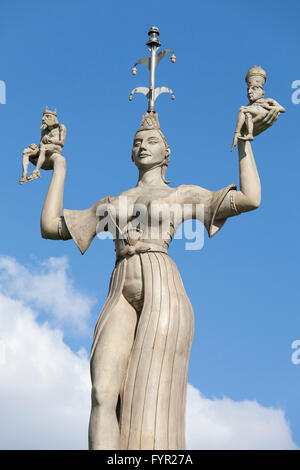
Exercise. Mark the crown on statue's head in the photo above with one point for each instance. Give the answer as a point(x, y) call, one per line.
point(256, 76)
point(149, 122)
point(47, 111)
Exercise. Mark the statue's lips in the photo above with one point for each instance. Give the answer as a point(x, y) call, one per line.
point(143, 155)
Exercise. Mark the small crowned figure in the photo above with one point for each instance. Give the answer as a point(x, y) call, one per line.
point(258, 106)
point(52, 141)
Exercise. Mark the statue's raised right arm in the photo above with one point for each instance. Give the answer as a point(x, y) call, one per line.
point(56, 224)
point(53, 225)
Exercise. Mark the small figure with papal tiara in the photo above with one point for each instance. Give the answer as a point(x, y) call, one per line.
point(257, 108)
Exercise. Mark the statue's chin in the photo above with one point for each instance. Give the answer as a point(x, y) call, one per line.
point(147, 163)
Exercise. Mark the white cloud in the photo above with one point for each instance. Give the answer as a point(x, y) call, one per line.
point(227, 424)
point(47, 286)
point(45, 386)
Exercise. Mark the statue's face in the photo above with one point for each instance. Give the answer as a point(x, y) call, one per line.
point(254, 93)
point(148, 149)
point(48, 121)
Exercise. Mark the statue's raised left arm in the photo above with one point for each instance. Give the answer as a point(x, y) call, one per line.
point(228, 201)
point(248, 197)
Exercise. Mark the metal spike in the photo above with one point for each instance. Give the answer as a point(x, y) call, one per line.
point(152, 62)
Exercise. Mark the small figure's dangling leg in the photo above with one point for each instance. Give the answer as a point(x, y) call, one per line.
point(240, 122)
point(249, 125)
point(36, 173)
point(235, 140)
point(25, 164)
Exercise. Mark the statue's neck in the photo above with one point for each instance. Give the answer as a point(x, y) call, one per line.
point(150, 177)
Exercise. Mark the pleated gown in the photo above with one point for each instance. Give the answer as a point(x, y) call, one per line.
point(153, 396)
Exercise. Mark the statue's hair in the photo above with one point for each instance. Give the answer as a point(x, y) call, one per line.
point(56, 119)
point(54, 116)
point(165, 163)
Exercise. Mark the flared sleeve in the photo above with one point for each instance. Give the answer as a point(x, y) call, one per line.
point(211, 222)
point(210, 200)
point(82, 224)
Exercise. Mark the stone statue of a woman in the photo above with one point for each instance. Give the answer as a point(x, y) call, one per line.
point(142, 340)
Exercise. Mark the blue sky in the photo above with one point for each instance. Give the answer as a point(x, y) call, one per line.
point(77, 56)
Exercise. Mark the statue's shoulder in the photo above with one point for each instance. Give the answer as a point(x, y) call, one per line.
point(189, 187)
point(129, 192)
point(191, 191)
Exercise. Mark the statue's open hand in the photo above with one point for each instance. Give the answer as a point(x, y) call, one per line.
point(55, 159)
point(261, 124)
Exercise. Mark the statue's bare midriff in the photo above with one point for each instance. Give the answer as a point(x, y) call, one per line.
point(133, 289)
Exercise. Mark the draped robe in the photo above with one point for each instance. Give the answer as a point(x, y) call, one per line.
point(153, 394)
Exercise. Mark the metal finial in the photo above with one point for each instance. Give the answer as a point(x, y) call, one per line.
point(152, 62)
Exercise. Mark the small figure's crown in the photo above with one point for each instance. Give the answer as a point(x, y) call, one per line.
point(256, 76)
point(149, 122)
point(47, 111)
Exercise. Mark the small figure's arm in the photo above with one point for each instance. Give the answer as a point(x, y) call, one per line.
point(62, 137)
point(269, 103)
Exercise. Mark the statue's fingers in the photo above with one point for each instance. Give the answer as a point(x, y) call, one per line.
point(267, 117)
point(260, 127)
point(271, 117)
point(271, 113)
point(267, 122)
point(276, 116)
